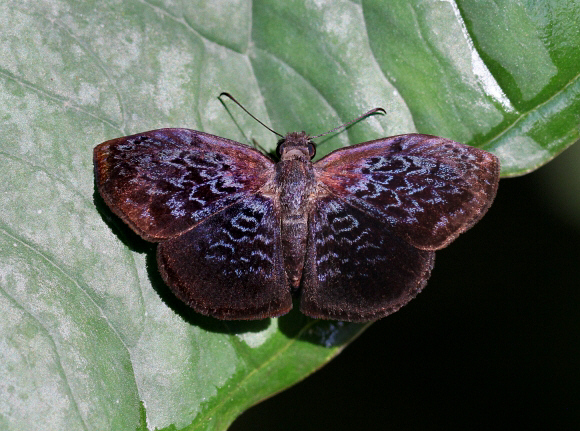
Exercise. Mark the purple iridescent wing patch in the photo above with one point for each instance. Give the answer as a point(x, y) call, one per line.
point(427, 189)
point(231, 264)
point(356, 269)
point(163, 182)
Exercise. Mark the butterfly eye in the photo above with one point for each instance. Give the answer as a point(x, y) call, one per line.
point(280, 148)
point(311, 150)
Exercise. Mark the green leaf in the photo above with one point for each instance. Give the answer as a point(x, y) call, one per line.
point(90, 337)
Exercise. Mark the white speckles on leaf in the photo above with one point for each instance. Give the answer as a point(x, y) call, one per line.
point(520, 150)
point(256, 339)
point(88, 94)
point(175, 74)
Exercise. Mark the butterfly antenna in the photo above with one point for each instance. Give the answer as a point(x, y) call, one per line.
point(248, 112)
point(366, 114)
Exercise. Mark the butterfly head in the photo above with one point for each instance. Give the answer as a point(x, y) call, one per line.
point(296, 145)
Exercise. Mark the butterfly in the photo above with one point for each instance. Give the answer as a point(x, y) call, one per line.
point(352, 235)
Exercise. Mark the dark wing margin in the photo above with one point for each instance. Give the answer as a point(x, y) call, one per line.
point(427, 189)
point(356, 269)
point(230, 265)
point(165, 181)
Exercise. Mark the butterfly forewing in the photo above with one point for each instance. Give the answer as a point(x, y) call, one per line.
point(427, 189)
point(356, 268)
point(230, 265)
point(165, 181)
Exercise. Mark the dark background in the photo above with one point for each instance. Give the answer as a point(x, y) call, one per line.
point(493, 342)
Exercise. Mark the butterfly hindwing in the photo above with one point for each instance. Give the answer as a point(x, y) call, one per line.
point(163, 182)
point(356, 268)
point(428, 189)
point(230, 265)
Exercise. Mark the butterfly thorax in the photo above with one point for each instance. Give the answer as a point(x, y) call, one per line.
point(296, 185)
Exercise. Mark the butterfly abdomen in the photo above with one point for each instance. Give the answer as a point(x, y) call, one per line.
point(296, 184)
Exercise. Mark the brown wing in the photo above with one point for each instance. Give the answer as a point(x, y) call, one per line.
point(427, 189)
point(230, 265)
point(165, 181)
point(356, 268)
